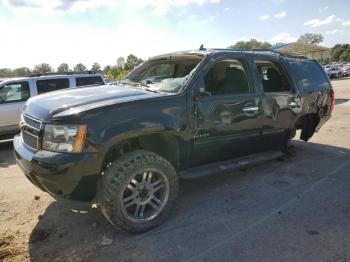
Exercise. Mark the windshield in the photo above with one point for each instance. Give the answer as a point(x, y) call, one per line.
point(164, 74)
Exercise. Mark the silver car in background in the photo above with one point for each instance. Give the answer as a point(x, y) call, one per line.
point(346, 70)
point(333, 71)
point(14, 93)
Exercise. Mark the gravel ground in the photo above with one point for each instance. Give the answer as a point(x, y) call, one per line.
point(292, 210)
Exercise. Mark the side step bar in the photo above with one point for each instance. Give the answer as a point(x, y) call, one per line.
point(229, 165)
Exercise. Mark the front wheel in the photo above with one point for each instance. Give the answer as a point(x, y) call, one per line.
point(137, 191)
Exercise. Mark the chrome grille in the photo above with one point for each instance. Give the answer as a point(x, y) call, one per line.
point(30, 132)
point(30, 140)
point(32, 122)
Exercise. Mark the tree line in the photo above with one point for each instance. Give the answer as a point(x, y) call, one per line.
point(307, 38)
point(339, 53)
point(113, 72)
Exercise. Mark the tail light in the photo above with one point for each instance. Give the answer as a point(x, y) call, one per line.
point(332, 100)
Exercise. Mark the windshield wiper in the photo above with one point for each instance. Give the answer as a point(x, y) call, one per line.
point(151, 90)
point(132, 83)
point(146, 86)
point(142, 84)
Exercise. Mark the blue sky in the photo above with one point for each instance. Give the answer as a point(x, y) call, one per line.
point(87, 31)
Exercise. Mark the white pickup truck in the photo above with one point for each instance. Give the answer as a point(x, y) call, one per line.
point(14, 93)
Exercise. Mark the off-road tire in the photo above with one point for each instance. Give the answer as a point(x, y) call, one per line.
point(116, 177)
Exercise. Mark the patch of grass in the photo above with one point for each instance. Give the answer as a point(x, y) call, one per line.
point(6, 247)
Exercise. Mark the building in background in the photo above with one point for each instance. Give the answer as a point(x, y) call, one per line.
point(320, 53)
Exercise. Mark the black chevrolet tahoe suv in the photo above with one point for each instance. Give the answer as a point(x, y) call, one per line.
point(176, 115)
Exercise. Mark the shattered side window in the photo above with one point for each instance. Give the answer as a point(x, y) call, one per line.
point(308, 75)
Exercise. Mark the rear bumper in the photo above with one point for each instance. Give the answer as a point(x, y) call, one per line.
point(62, 175)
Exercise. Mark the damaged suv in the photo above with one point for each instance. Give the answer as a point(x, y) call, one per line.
point(177, 115)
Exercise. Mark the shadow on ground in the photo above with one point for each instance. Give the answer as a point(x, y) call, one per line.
point(209, 210)
point(340, 101)
point(340, 79)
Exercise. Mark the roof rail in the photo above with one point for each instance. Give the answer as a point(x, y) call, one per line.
point(280, 53)
point(231, 49)
point(261, 50)
point(62, 73)
point(266, 50)
point(247, 50)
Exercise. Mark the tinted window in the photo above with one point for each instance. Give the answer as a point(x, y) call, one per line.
point(308, 75)
point(227, 77)
point(50, 85)
point(14, 92)
point(272, 77)
point(88, 81)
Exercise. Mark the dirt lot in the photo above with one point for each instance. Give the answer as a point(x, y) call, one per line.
point(294, 210)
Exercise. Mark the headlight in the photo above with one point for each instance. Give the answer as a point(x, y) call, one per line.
point(64, 138)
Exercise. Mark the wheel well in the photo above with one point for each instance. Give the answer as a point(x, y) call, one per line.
point(167, 146)
point(307, 124)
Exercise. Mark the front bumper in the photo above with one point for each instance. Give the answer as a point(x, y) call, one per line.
point(62, 175)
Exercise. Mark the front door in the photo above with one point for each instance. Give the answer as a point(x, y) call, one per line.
point(12, 98)
point(227, 113)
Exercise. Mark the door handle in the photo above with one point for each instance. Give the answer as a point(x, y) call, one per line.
point(292, 104)
point(250, 109)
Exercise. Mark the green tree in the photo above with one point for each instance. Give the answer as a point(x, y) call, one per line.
point(121, 62)
point(251, 44)
point(348, 51)
point(344, 57)
point(106, 69)
point(5, 72)
point(336, 52)
point(21, 71)
point(116, 73)
point(341, 52)
point(96, 67)
point(79, 67)
point(131, 62)
point(309, 38)
point(63, 68)
point(42, 68)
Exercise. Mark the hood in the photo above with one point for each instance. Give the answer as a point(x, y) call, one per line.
point(75, 100)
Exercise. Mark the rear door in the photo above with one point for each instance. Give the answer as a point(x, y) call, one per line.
point(12, 98)
point(280, 102)
point(227, 112)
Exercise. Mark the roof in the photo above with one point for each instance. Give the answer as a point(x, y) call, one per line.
point(206, 51)
point(64, 73)
point(299, 48)
point(274, 51)
point(48, 76)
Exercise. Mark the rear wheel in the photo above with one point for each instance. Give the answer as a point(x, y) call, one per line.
point(137, 191)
